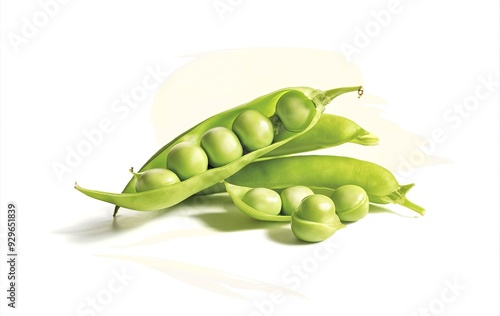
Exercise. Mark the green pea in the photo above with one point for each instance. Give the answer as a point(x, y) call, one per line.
point(292, 196)
point(295, 111)
point(315, 219)
point(264, 200)
point(155, 178)
point(351, 202)
point(254, 129)
point(316, 208)
point(221, 145)
point(187, 159)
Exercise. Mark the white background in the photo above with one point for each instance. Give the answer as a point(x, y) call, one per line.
point(426, 60)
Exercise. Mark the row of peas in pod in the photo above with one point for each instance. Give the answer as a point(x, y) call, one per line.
point(314, 216)
point(219, 146)
point(248, 152)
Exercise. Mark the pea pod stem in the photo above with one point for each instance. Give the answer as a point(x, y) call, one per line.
point(134, 174)
point(325, 97)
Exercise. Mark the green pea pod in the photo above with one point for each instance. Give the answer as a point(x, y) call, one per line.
point(238, 192)
point(323, 172)
point(173, 194)
point(331, 130)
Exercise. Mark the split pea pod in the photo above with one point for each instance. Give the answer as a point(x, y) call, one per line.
point(328, 172)
point(313, 220)
point(170, 195)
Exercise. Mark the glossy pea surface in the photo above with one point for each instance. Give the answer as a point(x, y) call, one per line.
point(187, 159)
point(316, 208)
point(264, 200)
point(221, 145)
point(351, 202)
point(253, 129)
point(155, 178)
point(315, 219)
point(295, 111)
point(292, 196)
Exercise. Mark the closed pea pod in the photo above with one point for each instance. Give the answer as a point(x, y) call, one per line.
point(167, 196)
point(331, 130)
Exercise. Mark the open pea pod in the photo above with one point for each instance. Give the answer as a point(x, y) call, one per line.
point(237, 193)
point(317, 171)
point(173, 194)
point(331, 130)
